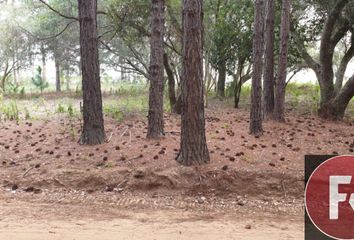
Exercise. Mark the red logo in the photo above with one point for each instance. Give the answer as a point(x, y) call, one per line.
point(329, 197)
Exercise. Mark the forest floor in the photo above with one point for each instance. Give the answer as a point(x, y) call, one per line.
point(53, 188)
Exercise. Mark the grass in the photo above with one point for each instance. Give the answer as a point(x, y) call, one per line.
point(120, 108)
point(130, 100)
point(10, 111)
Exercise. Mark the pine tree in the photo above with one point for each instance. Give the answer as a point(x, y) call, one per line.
point(38, 80)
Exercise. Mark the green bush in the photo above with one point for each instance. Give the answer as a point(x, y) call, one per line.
point(38, 81)
point(71, 111)
point(10, 112)
point(114, 112)
point(60, 109)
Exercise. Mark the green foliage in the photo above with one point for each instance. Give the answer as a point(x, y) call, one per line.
point(231, 32)
point(126, 89)
point(22, 92)
point(27, 114)
point(126, 106)
point(60, 108)
point(12, 88)
point(71, 111)
point(114, 112)
point(38, 81)
point(10, 112)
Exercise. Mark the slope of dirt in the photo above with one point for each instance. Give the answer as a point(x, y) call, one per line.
point(42, 155)
point(252, 186)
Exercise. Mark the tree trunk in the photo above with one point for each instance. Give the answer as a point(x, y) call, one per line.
point(343, 98)
point(4, 76)
point(238, 84)
point(326, 59)
point(333, 32)
point(279, 108)
point(258, 47)
point(194, 149)
point(44, 63)
point(171, 84)
point(268, 82)
point(67, 81)
point(238, 88)
point(335, 109)
point(178, 106)
point(93, 128)
point(221, 80)
point(156, 71)
point(343, 67)
point(57, 74)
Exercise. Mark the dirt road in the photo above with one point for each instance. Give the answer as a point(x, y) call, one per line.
point(21, 220)
point(146, 229)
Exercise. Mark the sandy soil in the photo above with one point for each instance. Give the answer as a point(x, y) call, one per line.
point(134, 229)
point(37, 221)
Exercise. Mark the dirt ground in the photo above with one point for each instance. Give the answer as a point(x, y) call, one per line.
point(26, 217)
point(131, 188)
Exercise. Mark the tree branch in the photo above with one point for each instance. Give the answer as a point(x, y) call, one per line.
point(59, 13)
point(315, 66)
point(343, 66)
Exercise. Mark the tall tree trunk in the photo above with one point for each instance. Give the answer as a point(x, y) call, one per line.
point(238, 88)
point(326, 61)
point(171, 83)
point(178, 106)
point(208, 79)
point(57, 74)
point(279, 109)
point(343, 98)
point(221, 80)
point(258, 47)
point(238, 84)
point(333, 32)
point(67, 81)
point(343, 67)
point(44, 63)
point(15, 73)
point(156, 71)
point(93, 128)
point(268, 82)
point(194, 149)
point(4, 76)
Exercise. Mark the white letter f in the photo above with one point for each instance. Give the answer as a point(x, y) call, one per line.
point(334, 196)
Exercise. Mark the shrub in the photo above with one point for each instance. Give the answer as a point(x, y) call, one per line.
point(38, 81)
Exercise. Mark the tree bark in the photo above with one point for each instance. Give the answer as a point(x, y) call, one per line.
point(4, 76)
point(268, 82)
point(57, 74)
point(178, 106)
point(221, 80)
point(343, 67)
point(171, 84)
point(343, 98)
point(238, 83)
point(44, 63)
point(156, 70)
point(258, 47)
point(332, 33)
point(93, 128)
point(279, 108)
point(326, 59)
point(194, 149)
